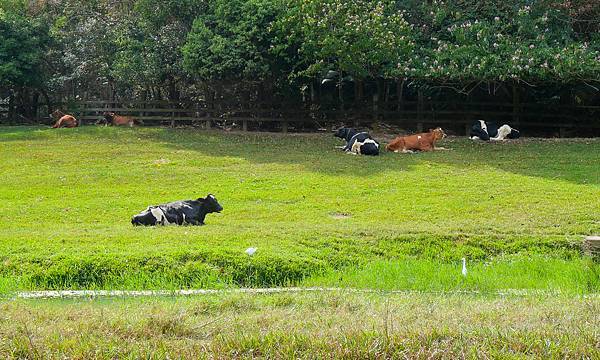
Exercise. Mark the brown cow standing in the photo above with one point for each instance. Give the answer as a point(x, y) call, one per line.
point(63, 120)
point(118, 120)
point(418, 142)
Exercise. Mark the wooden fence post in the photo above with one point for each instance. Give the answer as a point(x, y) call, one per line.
point(11, 109)
point(591, 245)
point(420, 110)
point(516, 109)
point(284, 126)
point(400, 94)
point(244, 125)
point(375, 105)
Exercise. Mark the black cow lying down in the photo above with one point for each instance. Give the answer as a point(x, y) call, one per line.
point(192, 212)
point(358, 142)
point(487, 130)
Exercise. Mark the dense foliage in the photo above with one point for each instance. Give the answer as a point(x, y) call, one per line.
point(183, 48)
point(23, 42)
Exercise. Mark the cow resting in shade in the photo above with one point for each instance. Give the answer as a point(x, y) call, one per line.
point(417, 142)
point(63, 120)
point(118, 120)
point(185, 212)
point(357, 143)
point(487, 130)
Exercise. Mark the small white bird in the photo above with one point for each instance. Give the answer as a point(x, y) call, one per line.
point(250, 251)
point(464, 269)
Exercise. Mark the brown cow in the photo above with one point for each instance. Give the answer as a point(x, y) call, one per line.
point(63, 120)
point(118, 120)
point(418, 142)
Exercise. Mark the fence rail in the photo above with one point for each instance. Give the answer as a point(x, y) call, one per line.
point(414, 114)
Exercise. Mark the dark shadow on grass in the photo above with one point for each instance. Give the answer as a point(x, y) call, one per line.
point(573, 160)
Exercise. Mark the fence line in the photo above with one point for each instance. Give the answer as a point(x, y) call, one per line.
point(406, 113)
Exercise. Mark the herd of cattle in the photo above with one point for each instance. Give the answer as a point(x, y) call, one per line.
point(358, 143)
point(193, 212)
point(361, 143)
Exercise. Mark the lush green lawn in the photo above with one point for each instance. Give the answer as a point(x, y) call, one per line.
point(517, 211)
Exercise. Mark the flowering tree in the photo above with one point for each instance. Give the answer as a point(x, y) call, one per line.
point(530, 44)
point(361, 38)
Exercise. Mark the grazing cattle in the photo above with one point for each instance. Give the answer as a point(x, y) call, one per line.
point(487, 130)
point(418, 142)
point(185, 212)
point(118, 120)
point(63, 120)
point(357, 142)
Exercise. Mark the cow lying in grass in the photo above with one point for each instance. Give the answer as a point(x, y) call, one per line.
point(357, 143)
point(63, 120)
point(185, 212)
point(118, 120)
point(418, 142)
point(484, 130)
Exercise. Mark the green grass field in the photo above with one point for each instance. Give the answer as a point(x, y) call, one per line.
point(517, 211)
point(303, 326)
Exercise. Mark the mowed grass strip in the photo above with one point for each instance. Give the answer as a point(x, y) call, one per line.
point(67, 197)
point(299, 326)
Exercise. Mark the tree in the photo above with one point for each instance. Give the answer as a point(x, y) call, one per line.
point(23, 42)
point(365, 39)
point(232, 41)
point(150, 50)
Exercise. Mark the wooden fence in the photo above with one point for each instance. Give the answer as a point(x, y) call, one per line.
point(415, 115)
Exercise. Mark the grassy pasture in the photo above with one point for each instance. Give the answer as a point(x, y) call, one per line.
point(304, 326)
point(517, 211)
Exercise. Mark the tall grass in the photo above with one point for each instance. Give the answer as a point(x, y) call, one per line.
point(310, 325)
point(577, 276)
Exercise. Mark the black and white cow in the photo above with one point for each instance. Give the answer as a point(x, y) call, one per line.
point(487, 130)
point(358, 142)
point(185, 212)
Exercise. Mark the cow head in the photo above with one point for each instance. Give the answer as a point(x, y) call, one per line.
point(211, 205)
point(57, 114)
point(109, 115)
point(514, 134)
point(341, 133)
point(438, 133)
point(344, 133)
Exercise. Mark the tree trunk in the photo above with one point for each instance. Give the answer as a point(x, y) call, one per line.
point(516, 110)
point(400, 94)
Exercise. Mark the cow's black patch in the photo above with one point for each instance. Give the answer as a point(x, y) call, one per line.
point(366, 144)
point(488, 130)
